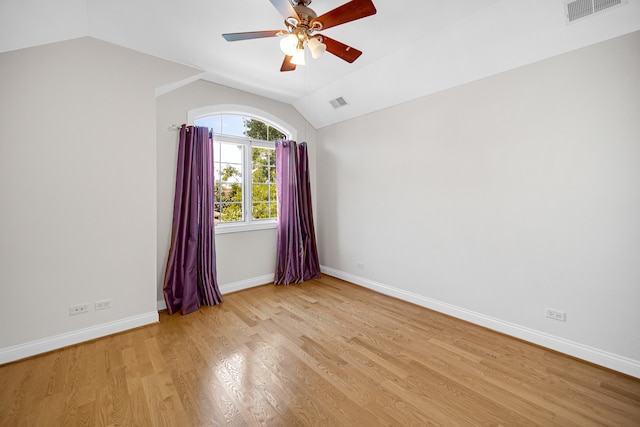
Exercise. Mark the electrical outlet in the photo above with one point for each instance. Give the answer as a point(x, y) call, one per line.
point(102, 305)
point(360, 265)
point(78, 309)
point(556, 315)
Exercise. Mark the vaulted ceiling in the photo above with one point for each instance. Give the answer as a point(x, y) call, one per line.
point(411, 49)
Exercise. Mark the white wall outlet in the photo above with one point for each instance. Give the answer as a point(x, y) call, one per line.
point(555, 314)
point(78, 309)
point(102, 305)
point(360, 265)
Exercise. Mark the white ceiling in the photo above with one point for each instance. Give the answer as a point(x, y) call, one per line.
point(411, 49)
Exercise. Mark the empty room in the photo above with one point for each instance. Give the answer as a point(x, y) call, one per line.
point(327, 213)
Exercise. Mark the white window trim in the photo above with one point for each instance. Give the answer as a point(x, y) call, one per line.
point(196, 113)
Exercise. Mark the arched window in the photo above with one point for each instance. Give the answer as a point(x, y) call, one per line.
point(244, 156)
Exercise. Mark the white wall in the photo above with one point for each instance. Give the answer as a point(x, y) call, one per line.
point(243, 259)
point(494, 200)
point(77, 191)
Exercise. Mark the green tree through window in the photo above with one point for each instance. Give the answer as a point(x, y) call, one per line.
point(228, 194)
point(263, 170)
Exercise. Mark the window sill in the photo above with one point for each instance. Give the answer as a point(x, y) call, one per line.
point(237, 228)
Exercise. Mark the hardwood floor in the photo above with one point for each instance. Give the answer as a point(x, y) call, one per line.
point(322, 353)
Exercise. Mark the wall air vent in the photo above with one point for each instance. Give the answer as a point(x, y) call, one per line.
point(338, 102)
point(578, 9)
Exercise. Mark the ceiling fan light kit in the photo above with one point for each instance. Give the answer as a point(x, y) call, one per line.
point(316, 47)
point(301, 24)
point(298, 57)
point(289, 44)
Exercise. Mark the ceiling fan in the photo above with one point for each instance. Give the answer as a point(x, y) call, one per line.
point(302, 23)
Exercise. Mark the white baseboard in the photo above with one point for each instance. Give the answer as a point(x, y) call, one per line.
point(580, 351)
point(246, 284)
point(11, 354)
point(234, 287)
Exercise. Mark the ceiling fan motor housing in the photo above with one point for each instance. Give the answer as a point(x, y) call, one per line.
point(305, 13)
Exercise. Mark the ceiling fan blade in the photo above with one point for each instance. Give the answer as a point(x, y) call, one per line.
point(233, 37)
point(285, 8)
point(348, 12)
point(287, 65)
point(341, 50)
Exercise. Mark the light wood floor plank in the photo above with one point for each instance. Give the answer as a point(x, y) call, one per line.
point(322, 353)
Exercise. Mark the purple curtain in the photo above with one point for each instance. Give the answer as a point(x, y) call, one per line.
point(190, 278)
point(297, 254)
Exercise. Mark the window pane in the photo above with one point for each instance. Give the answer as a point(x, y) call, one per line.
point(264, 210)
point(217, 195)
point(233, 125)
point(238, 125)
point(212, 122)
point(216, 213)
point(274, 134)
point(231, 212)
point(229, 153)
point(262, 156)
point(255, 129)
point(265, 204)
point(229, 183)
point(261, 174)
point(263, 168)
point(260, 192)
point(230, 192)
point(260, 211)
point(229, 172)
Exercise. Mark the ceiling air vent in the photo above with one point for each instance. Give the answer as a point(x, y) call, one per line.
point(338, 102)
point(578, 9)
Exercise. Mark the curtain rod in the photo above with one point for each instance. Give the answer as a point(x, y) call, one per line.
point(176, 128)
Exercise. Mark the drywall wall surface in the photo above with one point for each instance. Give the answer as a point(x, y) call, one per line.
point(502, 197)
point(78, 188)
point(241, 257)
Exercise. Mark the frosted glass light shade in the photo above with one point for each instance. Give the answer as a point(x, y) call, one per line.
point(289, 44)
point(316, 48)
point(298, 57)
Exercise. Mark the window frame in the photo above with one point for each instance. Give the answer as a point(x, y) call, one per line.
point(231, 109)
